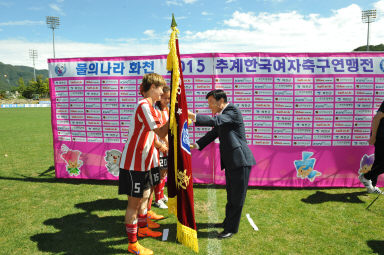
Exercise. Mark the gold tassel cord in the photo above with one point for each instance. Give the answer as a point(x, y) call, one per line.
point(173, 65)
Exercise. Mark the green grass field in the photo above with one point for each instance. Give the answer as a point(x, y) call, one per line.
point(43, 215)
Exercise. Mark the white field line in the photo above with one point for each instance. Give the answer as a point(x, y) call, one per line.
point(213, 245)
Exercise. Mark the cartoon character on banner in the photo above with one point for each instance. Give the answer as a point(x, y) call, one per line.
point(112, 157)
point(72, 158)
point(305, 167)
point(60, 69)
point(366, 163)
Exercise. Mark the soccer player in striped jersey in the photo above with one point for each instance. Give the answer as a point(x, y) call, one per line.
point(162, 145)
point(138, 158)
point(162, 106)
point(159, 174)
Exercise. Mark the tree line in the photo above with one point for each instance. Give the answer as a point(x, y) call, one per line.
point(30, 90)
point(379, 47)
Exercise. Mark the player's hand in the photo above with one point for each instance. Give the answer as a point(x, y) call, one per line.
point(164, 149)
point(193, 146)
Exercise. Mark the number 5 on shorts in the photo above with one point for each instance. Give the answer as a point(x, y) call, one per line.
point(137, 187)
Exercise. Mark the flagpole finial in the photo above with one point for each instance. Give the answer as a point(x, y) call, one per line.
point(173, 21)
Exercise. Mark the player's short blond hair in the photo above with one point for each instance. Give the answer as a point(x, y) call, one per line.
point(149, 79)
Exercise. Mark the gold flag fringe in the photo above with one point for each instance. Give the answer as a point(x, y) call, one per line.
point(187, 236)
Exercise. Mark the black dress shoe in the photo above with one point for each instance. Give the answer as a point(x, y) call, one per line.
point(224, 235)
point(218, 225)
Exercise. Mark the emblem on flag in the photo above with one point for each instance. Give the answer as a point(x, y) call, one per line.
point(184, 141)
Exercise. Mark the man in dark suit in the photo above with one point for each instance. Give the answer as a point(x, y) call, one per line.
point(236, 157)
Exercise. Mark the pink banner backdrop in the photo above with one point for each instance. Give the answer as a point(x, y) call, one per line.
point(307, 115)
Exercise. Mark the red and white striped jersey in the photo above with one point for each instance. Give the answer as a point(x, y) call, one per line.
point(164, 114)
point(139, 152)
point(164, 118)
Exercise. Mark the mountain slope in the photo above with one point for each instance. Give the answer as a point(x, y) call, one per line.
point(9, 75)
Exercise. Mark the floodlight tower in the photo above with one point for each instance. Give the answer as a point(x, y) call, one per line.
point(33, 56)
point(53, 23)
point(368, 16)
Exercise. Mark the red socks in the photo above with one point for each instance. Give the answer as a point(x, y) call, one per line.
point(131, 232)
point(159, 190)
point(132, 228)
point(142, 220)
